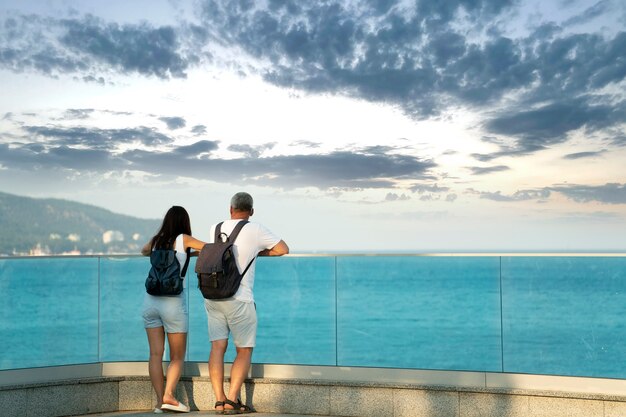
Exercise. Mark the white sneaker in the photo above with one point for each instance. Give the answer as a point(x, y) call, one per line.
point(158, 411)
point(181, 408)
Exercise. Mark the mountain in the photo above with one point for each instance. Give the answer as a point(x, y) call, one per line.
point(42, 226)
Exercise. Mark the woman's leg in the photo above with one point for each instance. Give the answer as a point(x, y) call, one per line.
point(178, 346)
point(156, 340)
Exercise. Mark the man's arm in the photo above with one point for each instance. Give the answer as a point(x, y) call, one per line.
point(279, 249)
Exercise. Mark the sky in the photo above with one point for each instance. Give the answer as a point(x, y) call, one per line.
point(408, 126)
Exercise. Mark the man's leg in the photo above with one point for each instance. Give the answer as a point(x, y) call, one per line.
point(216, 369)
point(239, 372)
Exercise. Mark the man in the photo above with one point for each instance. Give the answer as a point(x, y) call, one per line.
point(237, 315)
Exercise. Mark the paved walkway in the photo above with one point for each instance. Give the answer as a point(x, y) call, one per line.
point(191, 414)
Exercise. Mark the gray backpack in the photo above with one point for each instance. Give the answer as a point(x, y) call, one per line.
point(218, 276)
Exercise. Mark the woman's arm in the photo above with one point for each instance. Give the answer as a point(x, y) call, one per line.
point(192, 242)
point(147, 248)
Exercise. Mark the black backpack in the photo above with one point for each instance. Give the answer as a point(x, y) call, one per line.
point(218, 276)
point(165, 276)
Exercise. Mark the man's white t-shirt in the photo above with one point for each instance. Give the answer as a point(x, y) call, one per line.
point(252, 239)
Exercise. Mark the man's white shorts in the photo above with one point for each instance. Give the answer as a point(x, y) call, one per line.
point(232, 316)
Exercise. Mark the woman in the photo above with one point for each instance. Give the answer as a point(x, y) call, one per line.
point(168, 314)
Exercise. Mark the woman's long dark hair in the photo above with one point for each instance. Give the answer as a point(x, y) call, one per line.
point(175, 222)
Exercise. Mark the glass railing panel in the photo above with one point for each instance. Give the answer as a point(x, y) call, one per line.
point(295, 299)
point(419, 312)
point(296, 311)
point(49, 312)
point(122, 290)
point(564, 315)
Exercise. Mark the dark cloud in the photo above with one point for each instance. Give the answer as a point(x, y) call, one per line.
point(130, 48)
point(97, 138)
point(417, 56)
point(173, 123)
point(93, 150)
point(612, 193)
point(580, 155)
point(34, 157)
point(89, 45)
point(337, 169)
point(522, 195)
point(488, 170)
point(406, 55)
point(551, 123)
point(590, 13)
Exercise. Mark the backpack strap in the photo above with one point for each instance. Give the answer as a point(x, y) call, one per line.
point(184, 270)
point(233, 237)
point(236, 230)
point(218, 232)
point(247, 267)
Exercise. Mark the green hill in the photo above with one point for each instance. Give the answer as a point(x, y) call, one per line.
point(58, 226)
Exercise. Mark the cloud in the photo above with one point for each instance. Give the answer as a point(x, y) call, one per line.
point(396, 197)
point(550, 124)
point(97, 138)
point(78, 113)
point(509, 151)
point(173, 123)
point(590, 13)
point(89, 46)
point(198, 130)
point(432, 192)
point(618, 138)
point(306, 144)
point(96, 151)
point(422, 188)
point(580, 155)
point(29, 158)
point(418, 55)
point(423, 57)
point(251, 151)
point(488, 170)
point(611, 193)
point(337, 169)
point(521, 195)
point(203, 147)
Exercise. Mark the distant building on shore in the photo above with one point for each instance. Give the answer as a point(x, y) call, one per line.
point(111, 236)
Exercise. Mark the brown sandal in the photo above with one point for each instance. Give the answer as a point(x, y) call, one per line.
point(238, 407)
point(219, 404)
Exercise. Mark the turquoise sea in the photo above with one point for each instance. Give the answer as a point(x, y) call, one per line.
point(561, 315)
